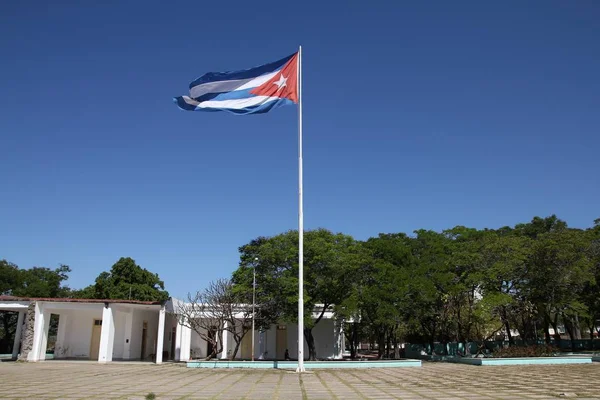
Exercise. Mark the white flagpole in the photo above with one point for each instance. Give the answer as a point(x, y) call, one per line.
point(300, 225)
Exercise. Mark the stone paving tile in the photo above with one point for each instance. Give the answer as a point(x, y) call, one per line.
point(435, 381)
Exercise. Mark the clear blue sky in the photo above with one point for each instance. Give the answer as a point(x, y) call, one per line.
point(417, 115)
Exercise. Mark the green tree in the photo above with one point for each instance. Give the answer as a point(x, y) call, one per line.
point(126, 280)
point(559, 271)
point(329, 262)
point(429, 286)
point(33, 282)
point(10, 277)
point(382, 289)
point(505, 257)
point(43, 282)
point(590, 295)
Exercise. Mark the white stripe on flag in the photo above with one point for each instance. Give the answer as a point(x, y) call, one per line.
point(256, 82)
point(230, 86)
point(236, 104)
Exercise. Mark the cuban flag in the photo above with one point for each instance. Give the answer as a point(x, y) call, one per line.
point(251, 91)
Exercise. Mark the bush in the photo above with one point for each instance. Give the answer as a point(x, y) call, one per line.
point(526, 351)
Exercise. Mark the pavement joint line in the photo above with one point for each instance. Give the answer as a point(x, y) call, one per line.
point(372, 386)
point(209, 374)
point(256, 383)
point(278, 386)
point(230, 385)
point(359, 393)
point(302, 388)
point(325, 385)
point(433, 380)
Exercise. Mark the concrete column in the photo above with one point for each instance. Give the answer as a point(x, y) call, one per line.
point(107, 335)
point(44, 344)
point(225, 341)
point(183, 339)
point(177, 339)
point(17, 342)
point(40, 334)
point(160, 337)
point(261, 345)
point(338, 339)
point(127, 338)
point(59, 349)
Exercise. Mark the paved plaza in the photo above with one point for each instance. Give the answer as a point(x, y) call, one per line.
point(87, 380)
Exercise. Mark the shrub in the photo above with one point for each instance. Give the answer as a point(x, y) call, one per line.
point(526, 351)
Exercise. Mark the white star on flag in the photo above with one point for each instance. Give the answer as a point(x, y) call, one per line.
point(281, 82)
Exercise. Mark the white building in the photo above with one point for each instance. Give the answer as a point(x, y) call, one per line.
point(115, 330)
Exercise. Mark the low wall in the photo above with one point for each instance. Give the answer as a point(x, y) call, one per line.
point(307, 364)
point(421, 351)
point(522, 360)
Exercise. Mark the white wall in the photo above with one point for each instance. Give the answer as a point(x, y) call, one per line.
point(170, 323)
point(292, 341)
point(323, 334)
point(139, 316)
point(197, 346)
point(78, 332)
point(119, 341)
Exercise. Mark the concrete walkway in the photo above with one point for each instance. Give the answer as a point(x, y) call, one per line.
point(76, 380)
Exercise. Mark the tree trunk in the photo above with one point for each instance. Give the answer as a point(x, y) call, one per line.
point(351, 337)
point(388, 345)
point(511, 341)
point(310, 340)
point(238, 342)
point(396, 347)
point(380, 343)
point(547, 337)
point(355, 338)
point(215, 350)
point(460, 327)
point(524, 332)
point(569, 327)
point(504, 318)
point(557, 338)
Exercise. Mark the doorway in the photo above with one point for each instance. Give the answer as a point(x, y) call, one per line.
point(144, 339)
point(247, 345)
point(281, 341)
point(212, 334)
point(173, 333)
point(52, 336)
point(95, 342)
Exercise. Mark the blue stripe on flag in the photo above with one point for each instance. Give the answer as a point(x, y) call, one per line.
point(236, 94)
point(241, 74)
point(258, 109)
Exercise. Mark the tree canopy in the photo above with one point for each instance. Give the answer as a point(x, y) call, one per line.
point(126, 280)
point(461, 284)
point(33, 282)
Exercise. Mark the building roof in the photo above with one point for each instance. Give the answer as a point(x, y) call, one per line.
point(68, 300)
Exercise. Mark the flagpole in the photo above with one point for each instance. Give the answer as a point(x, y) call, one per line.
point(300, 224)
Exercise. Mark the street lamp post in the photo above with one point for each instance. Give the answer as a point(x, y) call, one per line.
point(253, 301)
